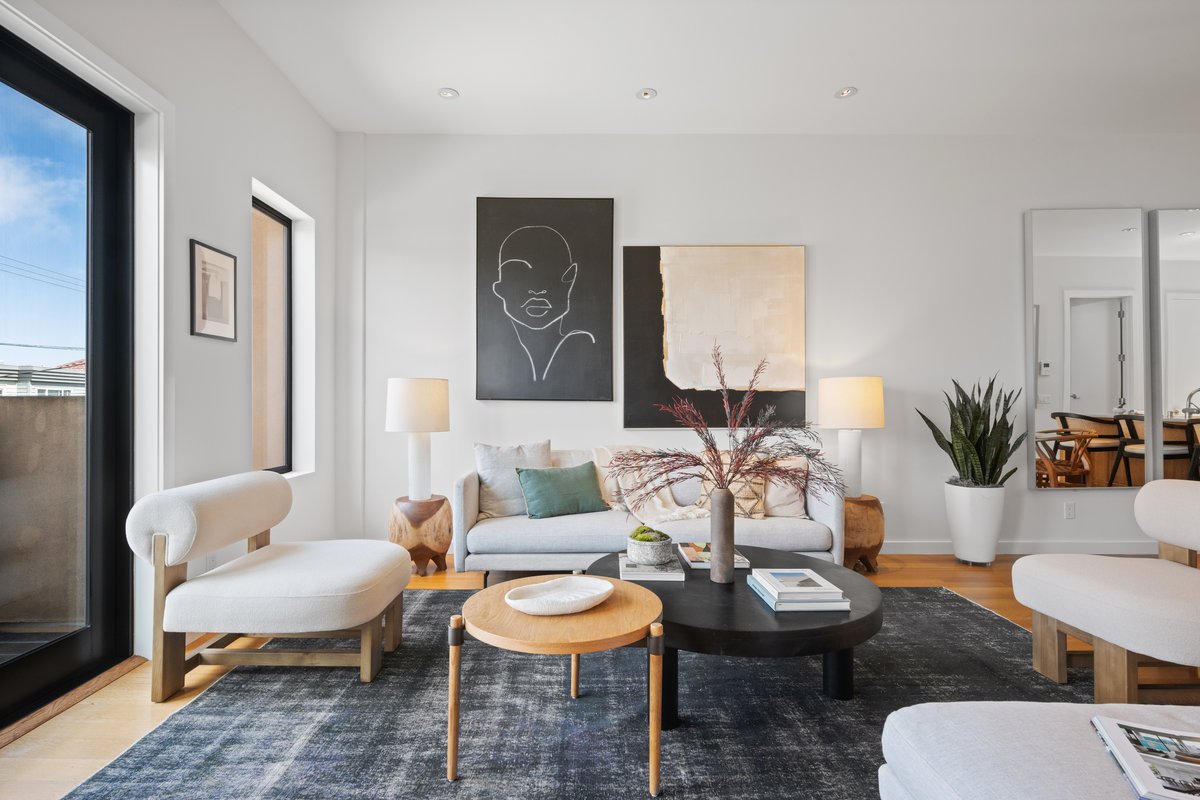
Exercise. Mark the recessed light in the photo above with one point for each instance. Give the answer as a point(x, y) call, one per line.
point(647, 94)
point(447, 93)
point(846, 91)
point(1188, 233)
point(1128, 230)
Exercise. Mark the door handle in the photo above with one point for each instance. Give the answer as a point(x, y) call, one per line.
point(1074, 396)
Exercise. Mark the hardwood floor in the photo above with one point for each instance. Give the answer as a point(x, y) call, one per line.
point(55, 757)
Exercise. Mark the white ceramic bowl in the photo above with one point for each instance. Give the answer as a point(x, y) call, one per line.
point(568, 595)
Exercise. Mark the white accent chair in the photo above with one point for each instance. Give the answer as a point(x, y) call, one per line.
point(1131, 610)
point(346, 588)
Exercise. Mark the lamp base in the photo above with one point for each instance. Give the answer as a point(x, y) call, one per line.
point(424, 528)
point(850, 460)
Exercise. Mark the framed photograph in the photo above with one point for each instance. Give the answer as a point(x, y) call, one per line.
point(544, 298)
point(214, 292)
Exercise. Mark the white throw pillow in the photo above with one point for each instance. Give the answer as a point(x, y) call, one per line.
point(499, 488)
point(782, 500)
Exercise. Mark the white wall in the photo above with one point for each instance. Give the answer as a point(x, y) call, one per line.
point(914, 265)
point(234, 118)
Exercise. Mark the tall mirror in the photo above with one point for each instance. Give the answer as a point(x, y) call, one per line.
point(1178, 239)
point(1086, 387)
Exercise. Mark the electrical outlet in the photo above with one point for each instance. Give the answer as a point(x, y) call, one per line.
point(1043, 399)
point(1069, 510)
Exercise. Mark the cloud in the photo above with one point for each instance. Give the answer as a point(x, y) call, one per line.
point(33, 198)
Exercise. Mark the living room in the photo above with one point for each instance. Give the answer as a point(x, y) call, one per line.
point(909, 196)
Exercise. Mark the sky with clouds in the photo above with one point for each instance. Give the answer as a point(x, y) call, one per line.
point(43, 232)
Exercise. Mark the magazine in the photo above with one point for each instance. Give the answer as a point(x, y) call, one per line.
point(796, 584)
point(1159, 764)
point(795, 605)
point(670, 571)
point(698, 555)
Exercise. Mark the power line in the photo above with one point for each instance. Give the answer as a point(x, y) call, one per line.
point(43, 269)
point(41, 346)
point(77, 282)
point(7, 269)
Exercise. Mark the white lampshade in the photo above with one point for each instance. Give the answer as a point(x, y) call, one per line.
point(418, 405)
point(850, 403)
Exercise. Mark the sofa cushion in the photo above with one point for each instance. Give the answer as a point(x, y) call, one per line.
point(561, 491)
point(605, 532)
point(777, 533)
point(292, 587)
point(499, 489)
point(1107, 596)
point(1012, 751)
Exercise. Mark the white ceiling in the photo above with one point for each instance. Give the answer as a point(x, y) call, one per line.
point(1106, 233)
point(739, 66)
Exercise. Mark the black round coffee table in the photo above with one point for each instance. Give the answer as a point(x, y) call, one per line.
point(729, 619)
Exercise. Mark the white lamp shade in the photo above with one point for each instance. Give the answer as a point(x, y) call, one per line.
point(850, 403)
point(418, 405)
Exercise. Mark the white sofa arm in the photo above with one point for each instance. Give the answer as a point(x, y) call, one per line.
point(830, 510)
point(465, 506)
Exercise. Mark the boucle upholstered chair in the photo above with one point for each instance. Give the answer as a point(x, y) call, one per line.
point(1131, 610)
point(337, 588)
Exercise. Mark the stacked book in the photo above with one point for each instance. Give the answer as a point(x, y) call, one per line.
point(698, 555)
point(796, 590)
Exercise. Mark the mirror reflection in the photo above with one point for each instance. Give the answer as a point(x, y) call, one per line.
point(1085, 271)
point(1179, 309)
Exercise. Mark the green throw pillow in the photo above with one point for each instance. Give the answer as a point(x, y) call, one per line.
point(557, 492)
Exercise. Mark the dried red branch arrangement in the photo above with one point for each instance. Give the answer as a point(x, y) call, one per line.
point(758, 448)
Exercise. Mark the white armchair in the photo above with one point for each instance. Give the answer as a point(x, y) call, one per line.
point(338, 588)
point(1131, 610)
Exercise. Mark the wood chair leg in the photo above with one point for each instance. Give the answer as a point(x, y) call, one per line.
point(370, 654)
point(167, 666)
point(1115, 673)
point(1049, 648)
point(393, 624)
point(1117, 459)
point(574, 675)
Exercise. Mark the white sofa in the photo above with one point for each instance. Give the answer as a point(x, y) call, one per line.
point(519, 543)
point(1010, 751)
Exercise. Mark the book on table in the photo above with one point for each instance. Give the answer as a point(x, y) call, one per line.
point(671, 571)
point(698, 555)
point(796, 584)
point(842, 603)
point(1159, 764)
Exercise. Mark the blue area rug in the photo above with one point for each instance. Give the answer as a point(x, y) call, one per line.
point(751, 728)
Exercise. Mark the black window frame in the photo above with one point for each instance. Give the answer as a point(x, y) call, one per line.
point(286, 221)
point(106, 639)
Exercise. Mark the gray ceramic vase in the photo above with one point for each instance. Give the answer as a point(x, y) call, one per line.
point(720, 505)
point(650, 553)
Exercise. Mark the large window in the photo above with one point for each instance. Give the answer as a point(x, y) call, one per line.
point(66, 379)
point(270, 336)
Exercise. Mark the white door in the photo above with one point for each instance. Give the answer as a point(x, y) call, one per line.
point(1181, 340)
point(1096, 347)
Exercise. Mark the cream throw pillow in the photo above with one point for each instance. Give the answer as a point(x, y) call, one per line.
point(749, 496)
point(782, 500)
point(499, 488)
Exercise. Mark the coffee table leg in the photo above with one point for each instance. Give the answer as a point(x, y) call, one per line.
point(670, 704)
point(839, 674)
point(654, 646)
point(575, 675)
point(456, 640)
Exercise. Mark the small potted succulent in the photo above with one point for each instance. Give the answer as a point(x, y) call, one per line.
point(650, 547)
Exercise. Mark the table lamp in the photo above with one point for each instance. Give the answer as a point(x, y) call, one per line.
point(850, 404)
point(418, 407)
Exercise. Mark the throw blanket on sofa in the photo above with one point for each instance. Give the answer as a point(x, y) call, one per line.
point(659, 507)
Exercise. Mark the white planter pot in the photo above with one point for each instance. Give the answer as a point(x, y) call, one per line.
point(976, 514)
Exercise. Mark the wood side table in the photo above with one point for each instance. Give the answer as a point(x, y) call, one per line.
point(629, 615)
point(424, 528)
point(864, 532)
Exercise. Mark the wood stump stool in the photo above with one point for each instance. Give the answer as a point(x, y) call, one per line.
point(423, 528)
point(864, 532)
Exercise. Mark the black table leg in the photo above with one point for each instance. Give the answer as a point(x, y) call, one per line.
point(670, 687)
point(839, 674)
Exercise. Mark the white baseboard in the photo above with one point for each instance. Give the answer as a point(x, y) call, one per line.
point(1140, 546)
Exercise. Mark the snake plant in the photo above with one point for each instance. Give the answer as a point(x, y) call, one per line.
point(980, 440)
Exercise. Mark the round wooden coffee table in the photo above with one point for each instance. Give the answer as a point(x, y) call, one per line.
point(629, 615)
point(729, 619)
